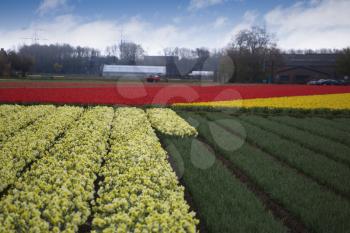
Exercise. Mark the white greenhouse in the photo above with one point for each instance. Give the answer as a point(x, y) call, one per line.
point(132, 71)
point(202, 73)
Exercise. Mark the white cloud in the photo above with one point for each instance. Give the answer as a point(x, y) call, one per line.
point(319, 24)
point(249, 20)
point(199, 4)
point(50, 5)
point(102, 33)
point(220, 22)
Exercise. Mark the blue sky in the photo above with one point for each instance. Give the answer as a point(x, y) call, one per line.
point(157, 24)
point(21, 13)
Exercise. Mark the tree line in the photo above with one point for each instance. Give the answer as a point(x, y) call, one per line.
point(252, 56)
point(14, 62)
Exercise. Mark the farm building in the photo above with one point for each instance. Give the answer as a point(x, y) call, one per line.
point(169, 66)
point(159, 60)
point(202, 75)
point(168, 61)
point(132, 71)
point(301, 68)
point(300, 75)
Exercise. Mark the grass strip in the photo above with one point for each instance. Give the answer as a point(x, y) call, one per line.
point(309, 125)
point(224, 203)
point(324, 170)
point(321, 210)
point(267, 111)
point(338, 123)
point(344, 120)
point(318, 144)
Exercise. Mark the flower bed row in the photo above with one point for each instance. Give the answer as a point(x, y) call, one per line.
point(9, 109)
point(18, 117)
point(168, 122)
point(54, 195)
point(140, 191)
point(32, 142)
point(139, 94)
point(333, 101)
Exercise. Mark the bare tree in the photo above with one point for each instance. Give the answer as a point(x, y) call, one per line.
point(130, 52)
point(170, 52)
point(202, 53)
point(254, 40)
point(251, 51)
point(113, 52)
point(202, 56)
point(182, 53)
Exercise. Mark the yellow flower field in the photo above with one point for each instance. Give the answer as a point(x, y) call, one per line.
point(52, 160)
point(333, 101)
point(168, 122)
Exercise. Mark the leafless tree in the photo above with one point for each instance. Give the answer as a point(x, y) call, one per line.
point(252, 51)
point(130, 52)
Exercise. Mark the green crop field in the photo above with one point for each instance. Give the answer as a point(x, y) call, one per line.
point(254, 173)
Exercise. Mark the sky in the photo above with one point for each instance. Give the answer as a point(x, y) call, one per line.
point(157, 24)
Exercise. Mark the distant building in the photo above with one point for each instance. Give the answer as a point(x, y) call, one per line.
point(168, 61)
point(167, 66)
point(202, 75)
point(132, 71)
point(302, 68)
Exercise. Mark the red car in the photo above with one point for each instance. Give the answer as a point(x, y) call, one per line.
point(153, 78)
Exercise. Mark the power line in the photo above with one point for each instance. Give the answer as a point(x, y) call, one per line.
point(35, 38)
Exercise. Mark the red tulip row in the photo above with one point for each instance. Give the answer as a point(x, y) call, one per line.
point(151, 94)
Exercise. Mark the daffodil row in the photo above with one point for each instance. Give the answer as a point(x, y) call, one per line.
point(140, 191)
point(19, 118)
point(55, 195)
point(331, 101)
point(168, 122)
point(6, 109)
point(30, 144)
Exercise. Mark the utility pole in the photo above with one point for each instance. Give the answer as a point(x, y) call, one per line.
point(121, 36)
point(35, 37)
point(121, 45)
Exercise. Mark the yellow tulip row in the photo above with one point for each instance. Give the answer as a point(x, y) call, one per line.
point(140, 192)
point(168, 122)
point(30, 143)
point(19, 117)
point(332, 101)
point(55, 194)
